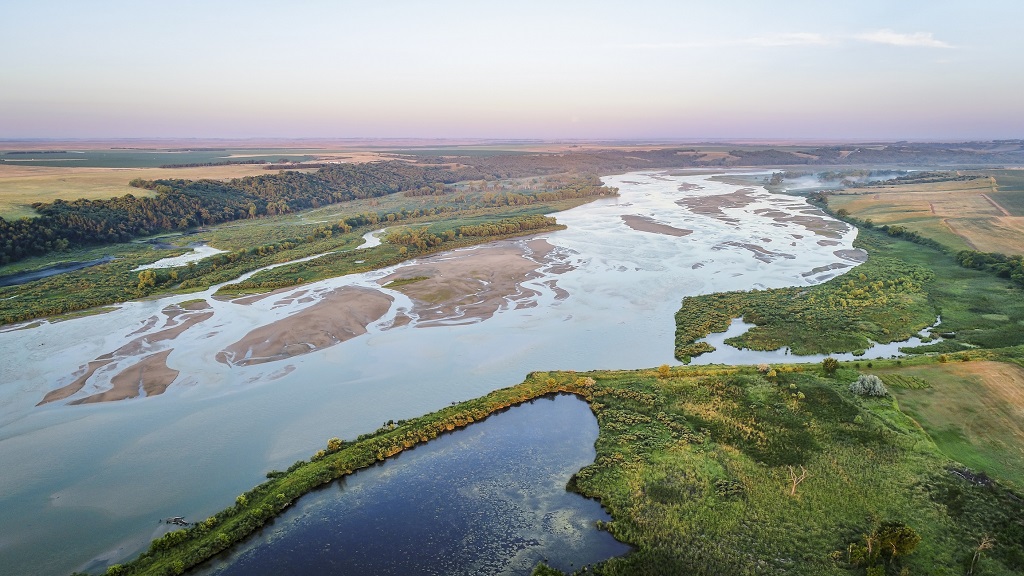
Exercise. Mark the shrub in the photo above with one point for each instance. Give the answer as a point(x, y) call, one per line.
point(830, 365)
point(868, 385)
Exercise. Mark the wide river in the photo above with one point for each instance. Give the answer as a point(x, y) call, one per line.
point(87, 484)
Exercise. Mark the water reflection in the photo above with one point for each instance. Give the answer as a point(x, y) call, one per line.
point(488, 499)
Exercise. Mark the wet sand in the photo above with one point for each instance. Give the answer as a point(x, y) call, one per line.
point(178, 320)
point(151, 376)
point(340, 315)
point(469, 286)
point(647, 224)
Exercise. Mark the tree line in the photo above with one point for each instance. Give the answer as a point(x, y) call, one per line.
point(183, 204)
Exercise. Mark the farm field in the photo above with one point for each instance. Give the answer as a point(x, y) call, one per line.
point(983, 214)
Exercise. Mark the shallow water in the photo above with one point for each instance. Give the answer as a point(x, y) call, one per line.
point(487, 499)
point(97, 477)
point(198, 253)
point(728, 354)
point(26, 277)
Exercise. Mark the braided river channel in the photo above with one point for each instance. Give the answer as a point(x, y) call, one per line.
point(172, 407)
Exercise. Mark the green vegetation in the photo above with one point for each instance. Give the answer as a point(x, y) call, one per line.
point(970, 409)
point(405, 281)
point(711, 470)
point(726, 471)
point(897, 292)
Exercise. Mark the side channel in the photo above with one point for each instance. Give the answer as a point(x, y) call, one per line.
point(486, 499)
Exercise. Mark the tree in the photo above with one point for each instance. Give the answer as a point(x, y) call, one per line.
point(797, 479)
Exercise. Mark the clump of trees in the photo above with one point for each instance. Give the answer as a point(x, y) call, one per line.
point(868, 385)
point(886, 545)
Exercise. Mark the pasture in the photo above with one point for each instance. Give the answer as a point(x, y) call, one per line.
point(974, 411)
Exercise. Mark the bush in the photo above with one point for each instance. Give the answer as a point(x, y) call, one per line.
point(830, 365)
point(868, 385)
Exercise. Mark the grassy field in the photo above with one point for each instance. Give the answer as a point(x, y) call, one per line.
point(962, 215)
point(973, 410)
point(1011, 190)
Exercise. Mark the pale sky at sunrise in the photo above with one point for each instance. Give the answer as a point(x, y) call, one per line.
point(885, 69)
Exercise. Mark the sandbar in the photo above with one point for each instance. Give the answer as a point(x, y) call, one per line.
point(463, 287)
point(647, 224)
point(340, 315)
point(151, 376)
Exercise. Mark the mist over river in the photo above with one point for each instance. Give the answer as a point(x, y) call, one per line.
point(86, 483)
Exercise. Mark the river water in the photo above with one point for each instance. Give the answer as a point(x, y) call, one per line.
point(85, 485)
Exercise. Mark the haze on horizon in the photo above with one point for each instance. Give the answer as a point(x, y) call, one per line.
point(456, 69)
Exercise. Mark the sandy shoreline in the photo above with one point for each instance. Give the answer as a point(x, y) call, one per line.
point(340, 315)
point(151, 376)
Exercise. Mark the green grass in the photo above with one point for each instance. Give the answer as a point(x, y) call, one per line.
point(963, 411)
point(405, 281)
point(694, 469)
point(1011, 190)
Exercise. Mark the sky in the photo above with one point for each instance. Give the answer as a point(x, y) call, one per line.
point(644, 69)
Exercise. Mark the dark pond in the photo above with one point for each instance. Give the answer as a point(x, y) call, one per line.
point(25, 277)
point(488, 499)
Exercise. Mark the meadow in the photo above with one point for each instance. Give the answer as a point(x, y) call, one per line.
point(972, 410)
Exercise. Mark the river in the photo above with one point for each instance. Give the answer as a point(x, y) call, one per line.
point(86, 484)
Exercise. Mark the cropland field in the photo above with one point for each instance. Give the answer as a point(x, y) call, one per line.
point(973, 410)
point(978, 214)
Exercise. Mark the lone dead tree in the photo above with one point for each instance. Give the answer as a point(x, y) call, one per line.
point(797, 479)
point(987, 543)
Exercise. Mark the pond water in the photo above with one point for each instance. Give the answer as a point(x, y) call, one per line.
point(728, 354)
point(487, 499)
point(26, 277)
point(98, 477)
